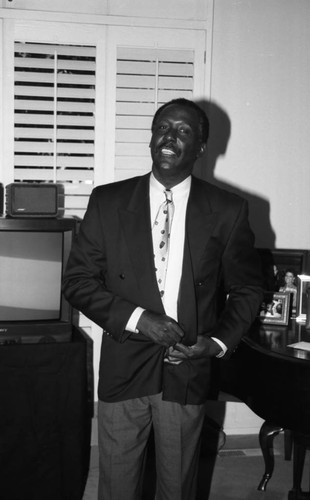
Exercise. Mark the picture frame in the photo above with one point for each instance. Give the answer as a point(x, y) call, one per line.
point(275, 308)
point(281, 268)
point(303, 285)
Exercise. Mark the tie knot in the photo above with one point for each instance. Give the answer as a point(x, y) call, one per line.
point(168, 195)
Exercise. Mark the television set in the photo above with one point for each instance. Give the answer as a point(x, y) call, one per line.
point(33, 257)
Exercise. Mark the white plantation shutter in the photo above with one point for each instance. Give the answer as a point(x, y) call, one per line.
point(54, 124)
point(146, 78)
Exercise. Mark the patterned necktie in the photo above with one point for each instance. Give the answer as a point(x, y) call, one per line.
point(161, 235)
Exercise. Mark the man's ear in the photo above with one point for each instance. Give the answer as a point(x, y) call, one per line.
point(202, 149)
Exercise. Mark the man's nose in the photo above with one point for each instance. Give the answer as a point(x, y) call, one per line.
point(170, 134)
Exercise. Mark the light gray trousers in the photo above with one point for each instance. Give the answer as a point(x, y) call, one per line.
point(124, 429)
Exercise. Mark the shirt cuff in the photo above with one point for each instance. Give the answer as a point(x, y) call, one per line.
point(133, 320)
point(222, 346)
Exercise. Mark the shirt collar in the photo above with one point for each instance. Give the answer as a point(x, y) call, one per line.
point(180, 189)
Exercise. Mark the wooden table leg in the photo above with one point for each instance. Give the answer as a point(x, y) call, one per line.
point(288, 444)
point(267, 433)
point(301, 442)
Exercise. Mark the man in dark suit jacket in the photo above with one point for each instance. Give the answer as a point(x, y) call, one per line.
point(157, 351)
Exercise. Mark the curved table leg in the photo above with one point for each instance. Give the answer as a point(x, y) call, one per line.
point(288, 444)
point(267, 433)
point(300, 445)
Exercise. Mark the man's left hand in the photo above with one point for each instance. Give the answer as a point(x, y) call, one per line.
point(204, 347)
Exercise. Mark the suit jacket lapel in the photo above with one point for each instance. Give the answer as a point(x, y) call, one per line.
point(199, 225)
point(136, 224)
point(200, 221)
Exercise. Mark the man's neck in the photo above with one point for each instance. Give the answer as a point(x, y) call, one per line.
point(169, 183)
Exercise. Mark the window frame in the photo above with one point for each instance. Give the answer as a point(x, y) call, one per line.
point(107, 39)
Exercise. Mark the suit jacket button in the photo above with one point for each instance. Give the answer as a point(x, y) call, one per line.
point(122, 276)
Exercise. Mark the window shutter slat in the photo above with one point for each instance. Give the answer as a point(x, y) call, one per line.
point(64, 120)
point(136, 81)
point(124, 163)
point(134, 109)
point(47, 49)
point(76, 189)
point(177, 83)
point(73, 162)
point(135, 95)
point(48, 78)
point(133, 150)
point(66, 134)
point(44, 174)
point(176, 69)
point(69, 107)
point(62, 93)
point(167, 95)
point(129, 67)
point(129, 135)
point(133, 122)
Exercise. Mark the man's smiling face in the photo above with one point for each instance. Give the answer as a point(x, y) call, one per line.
point(175, 144)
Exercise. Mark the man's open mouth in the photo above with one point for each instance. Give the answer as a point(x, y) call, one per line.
point(167, 152)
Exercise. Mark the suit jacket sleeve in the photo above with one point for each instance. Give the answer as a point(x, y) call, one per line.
point(85, 283)
point(242, 280)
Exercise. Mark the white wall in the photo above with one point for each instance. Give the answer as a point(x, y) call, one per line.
point(261, 81)
point(260, 77)
point(174, 9)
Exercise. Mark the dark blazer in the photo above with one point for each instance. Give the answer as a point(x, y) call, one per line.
point(111, 271)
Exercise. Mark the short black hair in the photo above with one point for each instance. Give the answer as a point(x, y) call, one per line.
point(186, 103)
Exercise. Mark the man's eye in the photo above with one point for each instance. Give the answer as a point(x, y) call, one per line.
point(184, 130)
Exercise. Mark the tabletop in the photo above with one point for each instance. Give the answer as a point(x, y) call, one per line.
point(275, 340)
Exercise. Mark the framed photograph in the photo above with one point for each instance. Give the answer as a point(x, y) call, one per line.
point(303, 297)
point(280, 270)
point(275, 308)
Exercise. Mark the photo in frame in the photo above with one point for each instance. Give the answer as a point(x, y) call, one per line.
point(302, 297)
point(275, 308)
point(281, 268)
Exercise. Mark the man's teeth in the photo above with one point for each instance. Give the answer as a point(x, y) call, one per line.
point(167, 151)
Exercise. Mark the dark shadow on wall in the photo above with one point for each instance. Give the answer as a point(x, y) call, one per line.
point(259, 207)
point(259, 217)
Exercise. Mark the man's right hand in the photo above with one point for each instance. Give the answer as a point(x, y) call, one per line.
point(160, 328)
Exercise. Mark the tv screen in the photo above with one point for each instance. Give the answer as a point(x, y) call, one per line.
point(33, 256)
point(31, 273)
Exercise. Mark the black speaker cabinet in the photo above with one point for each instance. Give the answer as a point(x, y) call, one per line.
point(34, 200)
point(45, 419)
